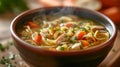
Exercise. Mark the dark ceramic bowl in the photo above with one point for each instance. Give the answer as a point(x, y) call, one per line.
point(37, 57)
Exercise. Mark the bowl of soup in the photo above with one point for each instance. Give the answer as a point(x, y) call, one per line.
point(63, 36)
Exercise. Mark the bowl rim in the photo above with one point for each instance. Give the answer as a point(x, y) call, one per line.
point(60, 53)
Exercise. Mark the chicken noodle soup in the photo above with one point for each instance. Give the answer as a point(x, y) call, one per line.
point(63, 33)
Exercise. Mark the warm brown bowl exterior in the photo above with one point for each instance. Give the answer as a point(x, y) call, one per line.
point(37, 57)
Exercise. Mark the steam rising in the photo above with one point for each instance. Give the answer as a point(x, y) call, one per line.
point(57, 11)
point(62, 11)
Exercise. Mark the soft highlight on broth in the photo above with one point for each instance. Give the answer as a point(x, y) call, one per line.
point(63, 33)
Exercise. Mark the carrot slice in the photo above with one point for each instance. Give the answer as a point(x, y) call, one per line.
point(68, 25)
point(38, 39)
point(85, 43)
point(81, 34)
point(33, 25)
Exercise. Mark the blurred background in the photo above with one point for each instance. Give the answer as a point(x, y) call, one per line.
point(10, 8)
point(111, 8)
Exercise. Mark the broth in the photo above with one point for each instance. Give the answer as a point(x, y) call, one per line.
point(63, 33)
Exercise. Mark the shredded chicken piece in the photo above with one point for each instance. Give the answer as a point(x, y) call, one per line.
point(76, 46)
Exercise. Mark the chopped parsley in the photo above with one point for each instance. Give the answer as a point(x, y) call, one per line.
point(80, 23)
point(62, 48)
point(6, 62)
point(91, 44)
point(83, 29)
point(27, 37)
point(2, 48)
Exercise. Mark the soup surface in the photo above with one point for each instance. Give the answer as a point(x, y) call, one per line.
point(63, 33)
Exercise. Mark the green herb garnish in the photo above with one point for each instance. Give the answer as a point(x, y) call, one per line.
point(91, 44)
point(83, 29)
point(2, 48)
point(27, 37)
point(6, 62)
point(62, 48)
point(80, 23)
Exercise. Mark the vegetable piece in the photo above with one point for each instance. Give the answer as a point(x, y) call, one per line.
point(62, 48)
point(68, 25)
point(2, 48)
point(7, 62)
point(113, 13)
point(37, 38)
point(85, 43)
point(81, 34)
point(33, 25)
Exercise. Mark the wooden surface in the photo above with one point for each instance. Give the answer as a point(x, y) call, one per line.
point(112, 60)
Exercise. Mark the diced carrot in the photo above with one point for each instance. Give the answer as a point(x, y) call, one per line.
point(81, 34)
point(68, 25)
point(33, 25)
point(113, 13)
point(85, 43)
point(38, 39)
